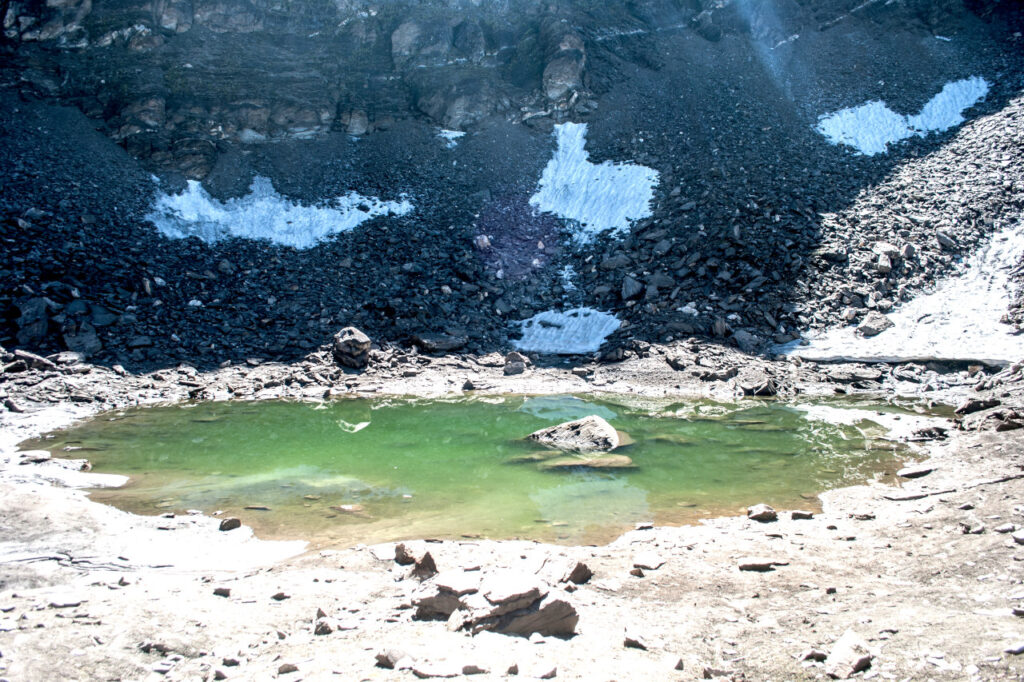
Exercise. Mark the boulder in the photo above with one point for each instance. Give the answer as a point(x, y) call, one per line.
point(873, 324)
point(351, 348)
point(590, 434)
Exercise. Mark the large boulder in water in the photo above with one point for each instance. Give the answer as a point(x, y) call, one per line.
point(590, 434)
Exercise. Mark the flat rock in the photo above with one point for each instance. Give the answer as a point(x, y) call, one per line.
point(590, 434)
point(915, 471)
point(458, 582)
point(760, 564)
point(849, 656)
point(439, 343)
point(589, 462)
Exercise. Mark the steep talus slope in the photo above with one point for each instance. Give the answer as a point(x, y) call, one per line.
point(759, 226)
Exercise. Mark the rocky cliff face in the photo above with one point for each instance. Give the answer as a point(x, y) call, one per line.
point(173, 79)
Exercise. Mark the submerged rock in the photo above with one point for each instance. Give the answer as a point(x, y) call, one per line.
point(590, 434)
point(589, 462)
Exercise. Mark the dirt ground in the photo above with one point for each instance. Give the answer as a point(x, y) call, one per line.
point(928, 574)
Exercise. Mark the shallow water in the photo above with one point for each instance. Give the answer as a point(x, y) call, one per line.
point(353, 471)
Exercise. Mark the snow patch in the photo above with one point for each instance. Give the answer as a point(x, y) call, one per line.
point(959, 321)
point(264, 214)
point(597, 197)
point(898, 425)
point(873, 126)
point(451, 137)
point(573, 332)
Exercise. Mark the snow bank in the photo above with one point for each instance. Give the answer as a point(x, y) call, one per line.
point(264, 214)
point(597, 197)
point(576, 331)
point(872, 127)
point(959, 321)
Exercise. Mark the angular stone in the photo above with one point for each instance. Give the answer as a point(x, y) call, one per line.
point(590, 434)
point(551, 617)
point(389, 658)
point(801, 515)
point(458, 582)
point(873, 324)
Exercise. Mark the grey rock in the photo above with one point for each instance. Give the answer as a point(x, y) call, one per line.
point(873, 324)
point(760, 564)
point(85, 340)
point(389, 658)
point(746, 341)
point(590, 434)
point(351, 348)
point(631, 288)
point(230, 524)
point(514, 368)
point(885, 249)
point(915, 471)
point(762, 513)
point(439, 343)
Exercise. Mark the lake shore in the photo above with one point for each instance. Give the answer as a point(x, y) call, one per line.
point(923, 573)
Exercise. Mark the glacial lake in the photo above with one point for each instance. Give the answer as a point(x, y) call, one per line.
point(355, 471)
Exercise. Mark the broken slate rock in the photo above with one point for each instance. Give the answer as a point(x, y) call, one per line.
point(590, 434)
point(849, 656)
point(389, 658)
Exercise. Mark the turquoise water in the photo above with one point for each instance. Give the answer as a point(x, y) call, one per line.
point(353, 471)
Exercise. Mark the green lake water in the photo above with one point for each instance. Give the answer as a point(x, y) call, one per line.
point(352, 471)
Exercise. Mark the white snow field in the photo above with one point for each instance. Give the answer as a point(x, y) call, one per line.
point(597, 197)
point(573, 332)
point(959, 321)
point(263, 214)
point(873, 126)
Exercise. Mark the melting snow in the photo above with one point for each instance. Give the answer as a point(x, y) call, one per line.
point(959, 321)
point(597, 197)
point(574, 332)
point(872, 127)
point(264, 214)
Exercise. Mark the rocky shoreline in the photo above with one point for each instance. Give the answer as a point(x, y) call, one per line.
point(922, 575)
